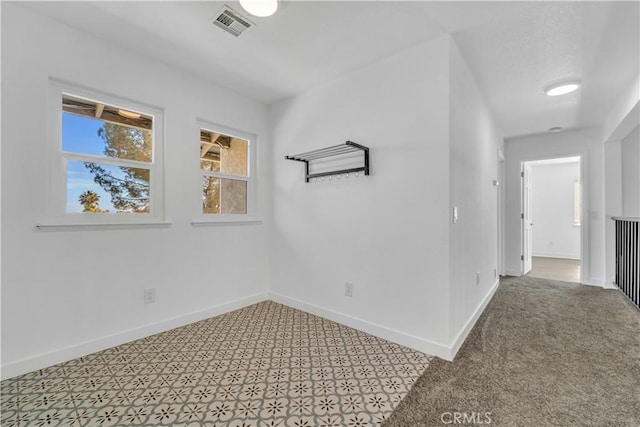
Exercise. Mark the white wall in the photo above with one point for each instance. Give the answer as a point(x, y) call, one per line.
point(621, 121)
point(69, 292)
point(386, 233)
point(390, 233)
point(433, 143)
point(624, 116)
point(613, 203)
point(588, 144)
point(475, 141)
point(630, 167)
point(552, 200)
point(622, 186)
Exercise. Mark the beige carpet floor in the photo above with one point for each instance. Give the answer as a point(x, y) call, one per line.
point(543, 353)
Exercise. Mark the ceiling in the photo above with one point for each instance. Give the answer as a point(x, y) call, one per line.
point(514, 49)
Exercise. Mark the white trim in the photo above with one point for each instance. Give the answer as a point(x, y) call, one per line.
point(225, 219)
point(56, 201)
point(577, 202)
point(466, 329)
point(111, 161)
point(432, 348)
point(225, 176)
point(501, 193)
point(585, 226)
point(250, 178)
point(41, 361)
point(556, 255)
point(607, 285)
point(514, 273)
point(407, 340)
point(626, 218)
point(69, 225)
point(594, 282)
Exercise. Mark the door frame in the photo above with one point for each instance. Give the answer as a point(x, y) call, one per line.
point(586, 214)
point(525, 216)
point(501, 171)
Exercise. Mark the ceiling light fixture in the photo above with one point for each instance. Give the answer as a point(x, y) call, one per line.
point(128, 114)
point(260, 8)
point(555, 129)
point(562, 88)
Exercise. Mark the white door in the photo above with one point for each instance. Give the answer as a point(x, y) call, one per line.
point(527, 224)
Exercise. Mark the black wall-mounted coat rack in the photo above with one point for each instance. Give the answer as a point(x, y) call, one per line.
point(336, 150)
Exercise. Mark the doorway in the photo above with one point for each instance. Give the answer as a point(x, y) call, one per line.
point(499, 183)
point(552, 219)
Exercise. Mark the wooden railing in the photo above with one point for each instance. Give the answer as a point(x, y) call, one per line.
point(628, 257)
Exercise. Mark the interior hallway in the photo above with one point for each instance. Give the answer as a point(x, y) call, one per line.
point(543, 353)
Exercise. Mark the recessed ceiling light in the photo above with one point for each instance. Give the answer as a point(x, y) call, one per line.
point(128, 114)
point(260, 8)
point(555, 129)
point(562, 88)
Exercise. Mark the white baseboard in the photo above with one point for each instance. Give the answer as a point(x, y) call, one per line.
point(407, 340)
point(609, 285)
point(432, 348)
point(466, 329)
point(42, 361)
point(556, 255)
point(516, 273)
point(594, 282)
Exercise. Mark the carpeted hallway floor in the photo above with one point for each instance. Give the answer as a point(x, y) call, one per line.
point(544, 353)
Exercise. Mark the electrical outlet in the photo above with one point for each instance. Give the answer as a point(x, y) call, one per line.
point(150, 295)
point(348, 289)
point(477, 278)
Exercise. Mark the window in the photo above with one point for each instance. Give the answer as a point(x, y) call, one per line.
point(577, 202)
point(224, 166)
point(107, 149)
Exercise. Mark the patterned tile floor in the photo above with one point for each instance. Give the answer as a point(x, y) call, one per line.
point(263, 365)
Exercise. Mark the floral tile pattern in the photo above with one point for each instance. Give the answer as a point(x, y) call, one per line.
point(263, 365)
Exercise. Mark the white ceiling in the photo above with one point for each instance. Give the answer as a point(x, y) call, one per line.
point(514, 48)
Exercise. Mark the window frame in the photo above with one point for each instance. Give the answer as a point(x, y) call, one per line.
point(251, 216)
point(56, 202)
point(577, 202)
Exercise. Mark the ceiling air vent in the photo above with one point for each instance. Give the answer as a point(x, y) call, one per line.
point(231, 21)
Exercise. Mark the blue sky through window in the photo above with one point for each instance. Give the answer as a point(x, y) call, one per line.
point(80, 135)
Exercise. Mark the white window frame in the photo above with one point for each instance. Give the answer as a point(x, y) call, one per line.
point(56, 203)
point(577, 202)
point(251, 216)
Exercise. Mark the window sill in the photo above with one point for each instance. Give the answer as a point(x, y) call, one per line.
point(576, 224)
point(70, 226)
point(225, 220)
